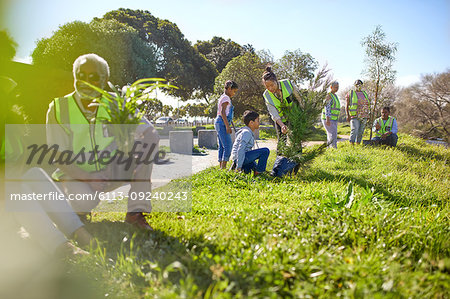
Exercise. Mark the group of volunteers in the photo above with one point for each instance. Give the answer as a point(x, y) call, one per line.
point(75, 122)
point(358, 111)
point(282, 93)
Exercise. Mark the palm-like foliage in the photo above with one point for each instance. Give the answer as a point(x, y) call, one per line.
point(123, 105)
point(303, 115)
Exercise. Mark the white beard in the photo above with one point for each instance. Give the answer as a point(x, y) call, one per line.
point(91, 94)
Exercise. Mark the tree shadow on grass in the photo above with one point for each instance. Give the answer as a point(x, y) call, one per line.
point(422, 154)
point(399, 200)
point(163, 250)
point(148, 249)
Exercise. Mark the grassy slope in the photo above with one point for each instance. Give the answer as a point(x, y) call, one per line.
point(357, 222)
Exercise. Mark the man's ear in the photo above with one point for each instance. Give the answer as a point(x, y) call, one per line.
point(105, 82)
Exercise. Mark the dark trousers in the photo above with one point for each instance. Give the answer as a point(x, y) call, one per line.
point(390, 140)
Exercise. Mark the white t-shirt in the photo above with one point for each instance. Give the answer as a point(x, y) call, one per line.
point(223, 99)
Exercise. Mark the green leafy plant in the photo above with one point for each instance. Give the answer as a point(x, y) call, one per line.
point(123, 105)
point(302, 116)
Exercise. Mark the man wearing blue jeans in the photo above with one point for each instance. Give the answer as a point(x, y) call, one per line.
point(358, 111)
point(243, 155)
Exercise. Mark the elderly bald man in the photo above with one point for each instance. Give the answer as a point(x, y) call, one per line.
point(73, 123)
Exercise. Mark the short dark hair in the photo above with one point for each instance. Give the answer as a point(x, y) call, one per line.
point(358, 82)
point(231, 84)
point(268, 75)
point(387, 108)
point(249, 116)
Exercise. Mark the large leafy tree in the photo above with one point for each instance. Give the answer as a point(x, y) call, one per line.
point(219, 51)
point(296, 66)
point(151, 107)
point(380, 56)
point(199, 109)
point(177, 60)
point(179, 112)
point(10, 113)
point(128, 56)
point(246, 71)
point(7, 47)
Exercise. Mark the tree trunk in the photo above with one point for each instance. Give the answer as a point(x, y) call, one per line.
point(374, 107)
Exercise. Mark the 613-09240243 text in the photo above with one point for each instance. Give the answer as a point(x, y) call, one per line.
point(107, 196)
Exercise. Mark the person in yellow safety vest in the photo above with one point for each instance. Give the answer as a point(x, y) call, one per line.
point(358, 110)
point(330, 114)
point(385, 128)
point(277, 94)
point(73, 123)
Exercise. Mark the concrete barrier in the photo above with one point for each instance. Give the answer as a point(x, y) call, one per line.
point(165, 131)
point(181, 142)
point(207, 139)
point(198, 129)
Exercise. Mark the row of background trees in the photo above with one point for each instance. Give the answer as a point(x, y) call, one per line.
point(137, 44)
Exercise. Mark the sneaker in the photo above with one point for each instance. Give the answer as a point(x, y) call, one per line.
point(138, 219)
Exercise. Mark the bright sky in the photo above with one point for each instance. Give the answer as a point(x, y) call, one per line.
point(330, 30)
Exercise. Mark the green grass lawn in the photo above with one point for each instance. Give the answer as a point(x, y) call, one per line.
point(356, 222)
point(344, 129)
point(319, 134)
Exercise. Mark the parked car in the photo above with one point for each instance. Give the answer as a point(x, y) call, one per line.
point(181, 121)
point(164, 121)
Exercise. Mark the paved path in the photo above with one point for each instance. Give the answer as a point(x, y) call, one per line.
point(180, 166)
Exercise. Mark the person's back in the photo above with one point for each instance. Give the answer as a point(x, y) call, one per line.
point(245, 140)
point(243, 156)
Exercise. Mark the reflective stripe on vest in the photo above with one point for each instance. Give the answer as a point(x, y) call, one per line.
point(335, 108)
point(384, 125)
point(83, 134)
point(353, 107)
point(286, 91)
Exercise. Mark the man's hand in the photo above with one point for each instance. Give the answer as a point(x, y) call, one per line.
point(377, 126)
point(229, 130)
point(385, 135)
point(284, 129)
point(328, 122)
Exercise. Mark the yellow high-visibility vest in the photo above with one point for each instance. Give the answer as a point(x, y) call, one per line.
point(335, 108)
point(385, 126)
point(69, 115)
point(286, 91)
point(354, 102)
